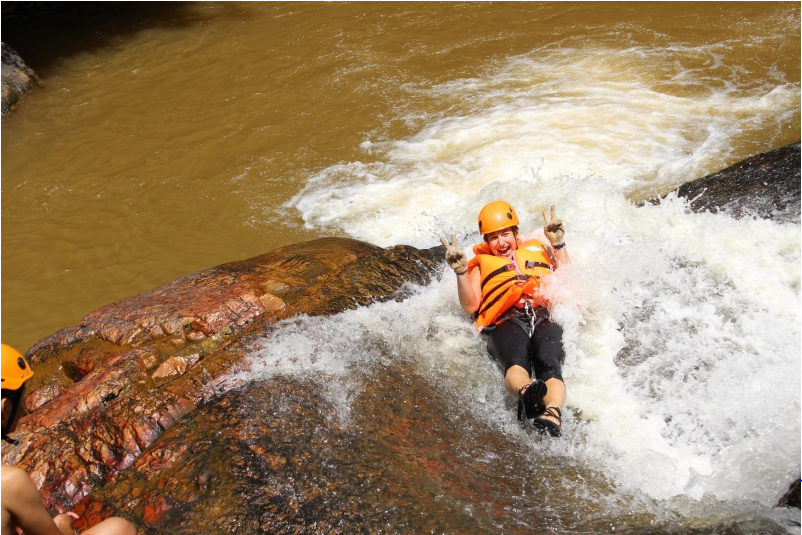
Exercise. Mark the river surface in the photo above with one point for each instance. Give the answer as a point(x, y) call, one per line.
point(178, 138)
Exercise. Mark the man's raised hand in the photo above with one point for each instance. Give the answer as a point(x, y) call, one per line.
point(454, 256)
point(553, 228)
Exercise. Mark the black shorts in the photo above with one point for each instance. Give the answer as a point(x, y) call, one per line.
point(542, 352)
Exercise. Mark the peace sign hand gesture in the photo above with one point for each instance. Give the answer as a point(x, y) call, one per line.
point(454, 256)
point(554, 228)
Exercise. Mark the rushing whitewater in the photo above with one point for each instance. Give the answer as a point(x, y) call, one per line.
point(682, 329)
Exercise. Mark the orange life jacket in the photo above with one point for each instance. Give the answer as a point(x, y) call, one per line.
point(504, 282)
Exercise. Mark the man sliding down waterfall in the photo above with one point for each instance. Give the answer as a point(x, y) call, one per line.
point(503, 296)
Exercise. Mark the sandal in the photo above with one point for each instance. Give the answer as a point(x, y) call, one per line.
point(547, 426)
point(530, 399)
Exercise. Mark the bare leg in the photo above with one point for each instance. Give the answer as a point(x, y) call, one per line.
point(554, 397)
point(515, 379)
point(112, 526)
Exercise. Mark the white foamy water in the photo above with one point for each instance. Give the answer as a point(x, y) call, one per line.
point(557, 114)
point(682, 330)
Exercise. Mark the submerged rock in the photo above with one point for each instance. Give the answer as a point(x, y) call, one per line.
point(274, 456)
point(18, 78)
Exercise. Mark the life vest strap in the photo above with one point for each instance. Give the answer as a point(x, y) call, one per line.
point(530, 265)
point(499, 296)
point(507, 282)
point(491, 303)
point(502, 269)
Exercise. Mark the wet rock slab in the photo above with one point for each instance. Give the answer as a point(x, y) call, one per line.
point(280, 460)
point(766, 186)
point(276, 456)
point(106, 389)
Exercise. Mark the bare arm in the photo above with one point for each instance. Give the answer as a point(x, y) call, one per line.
point(558, 257)
point(22, 506)
point(468, 282)
point(554, 231)
point(470, 290)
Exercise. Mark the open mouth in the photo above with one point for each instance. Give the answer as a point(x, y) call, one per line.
point(504, 251)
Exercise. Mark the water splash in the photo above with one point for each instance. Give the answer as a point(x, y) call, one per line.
point(682, 330)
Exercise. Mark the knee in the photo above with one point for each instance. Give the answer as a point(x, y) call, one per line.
point(113, 526)
point(552, 375)
point(517, 370)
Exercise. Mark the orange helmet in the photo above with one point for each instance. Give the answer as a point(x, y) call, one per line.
point(15, 369)
point(496, 216)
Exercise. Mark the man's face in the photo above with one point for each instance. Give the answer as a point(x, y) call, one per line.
point(502, 242)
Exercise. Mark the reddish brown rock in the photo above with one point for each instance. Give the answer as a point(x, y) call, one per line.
point(106, 389)
point(240, 465)
point(175, 366)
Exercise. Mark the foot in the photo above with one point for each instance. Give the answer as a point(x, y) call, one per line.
point(550, 422)
point(530, 399)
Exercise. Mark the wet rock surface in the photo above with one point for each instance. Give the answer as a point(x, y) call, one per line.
point(275, 456)
point(792, 497)
point(766, 186)
point(281, 461)
point(17, 78)
point(106, 389)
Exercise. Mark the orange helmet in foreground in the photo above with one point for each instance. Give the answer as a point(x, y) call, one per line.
point(15, 369)
point(496, 216)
